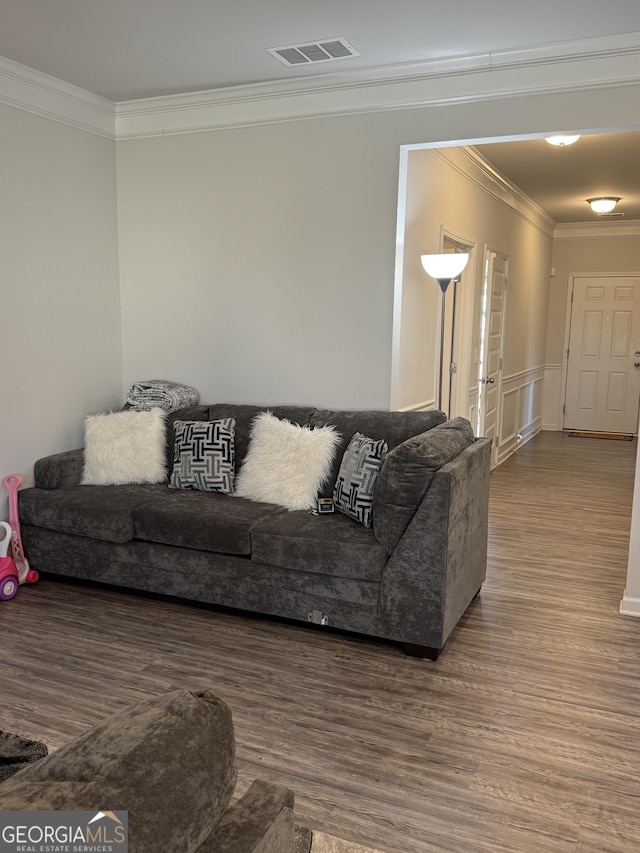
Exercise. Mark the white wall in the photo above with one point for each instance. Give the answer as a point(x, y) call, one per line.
point(59, 293)
point(257, 263)
point(446, 189)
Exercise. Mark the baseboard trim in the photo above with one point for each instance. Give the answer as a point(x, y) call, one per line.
point(630, 606)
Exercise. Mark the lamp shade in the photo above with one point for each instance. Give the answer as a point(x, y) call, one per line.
point(447, 266)
point(603, 205)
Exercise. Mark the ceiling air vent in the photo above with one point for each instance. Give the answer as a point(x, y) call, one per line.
point(314, 51)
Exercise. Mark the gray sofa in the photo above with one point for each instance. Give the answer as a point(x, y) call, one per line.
point(169, 762)
point(408, 578)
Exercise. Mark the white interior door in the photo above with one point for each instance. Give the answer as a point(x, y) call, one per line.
point(603, 362)
point(490, 364)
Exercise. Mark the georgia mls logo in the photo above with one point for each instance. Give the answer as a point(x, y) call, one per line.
point(63, 832)
point(111, 815)
point(118, 830)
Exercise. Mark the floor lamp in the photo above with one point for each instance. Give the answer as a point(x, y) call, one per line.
point(445, 269)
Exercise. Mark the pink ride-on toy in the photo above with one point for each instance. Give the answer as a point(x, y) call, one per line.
point(13, 570)
point(8, 570)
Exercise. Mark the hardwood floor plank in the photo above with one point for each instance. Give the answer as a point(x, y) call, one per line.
point(523, 736)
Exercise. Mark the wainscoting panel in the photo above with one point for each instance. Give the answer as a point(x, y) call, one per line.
point(521, 410)
point(552, 397)
point(509, 419)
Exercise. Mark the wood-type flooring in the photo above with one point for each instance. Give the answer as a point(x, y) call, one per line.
point(523, 736)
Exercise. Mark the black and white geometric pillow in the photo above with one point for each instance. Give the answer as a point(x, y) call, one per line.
point(353, 491)
point(204, 456)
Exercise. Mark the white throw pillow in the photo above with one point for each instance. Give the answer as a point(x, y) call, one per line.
point(286, 464)
point(125, 447)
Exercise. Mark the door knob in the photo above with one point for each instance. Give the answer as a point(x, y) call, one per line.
point(487, 380)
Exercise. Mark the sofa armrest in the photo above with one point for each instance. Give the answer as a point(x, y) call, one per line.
point(260, 822)
point(168, 760)
point(440, 562)
point(60, 470)
point(407, 473)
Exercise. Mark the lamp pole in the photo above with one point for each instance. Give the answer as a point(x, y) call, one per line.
point(444, 284)
point(444, 268)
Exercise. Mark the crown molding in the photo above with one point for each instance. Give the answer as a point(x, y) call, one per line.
point(589, 230)
point(567, 66)
point(592, 48)
point(485, 176)
point(43, 95)
point(570, 66)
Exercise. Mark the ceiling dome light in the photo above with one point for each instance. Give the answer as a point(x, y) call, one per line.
point(561, 141)
point(603, 204)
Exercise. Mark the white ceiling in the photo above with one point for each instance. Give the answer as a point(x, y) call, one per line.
point(560, 180)
point(124, 49)
point(128, 49)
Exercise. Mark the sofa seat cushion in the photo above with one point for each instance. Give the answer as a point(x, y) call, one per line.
point(101, 512)
point(205, 521)
point(392, 427)
point(323, 544)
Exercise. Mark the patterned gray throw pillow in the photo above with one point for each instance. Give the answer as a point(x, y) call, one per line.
point(353, 491)
point(204, 456)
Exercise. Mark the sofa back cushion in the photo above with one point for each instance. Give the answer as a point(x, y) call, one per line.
point(243, 415)
point(169, 761)
point(407, 472)
point(393, 427)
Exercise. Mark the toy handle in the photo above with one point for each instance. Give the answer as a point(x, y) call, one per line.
point(4, 545)
point(12, 483)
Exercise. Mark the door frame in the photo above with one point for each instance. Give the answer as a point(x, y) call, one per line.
point(567, 328)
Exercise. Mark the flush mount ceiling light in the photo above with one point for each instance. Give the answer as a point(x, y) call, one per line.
point(561, 141)
point(603, 204)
